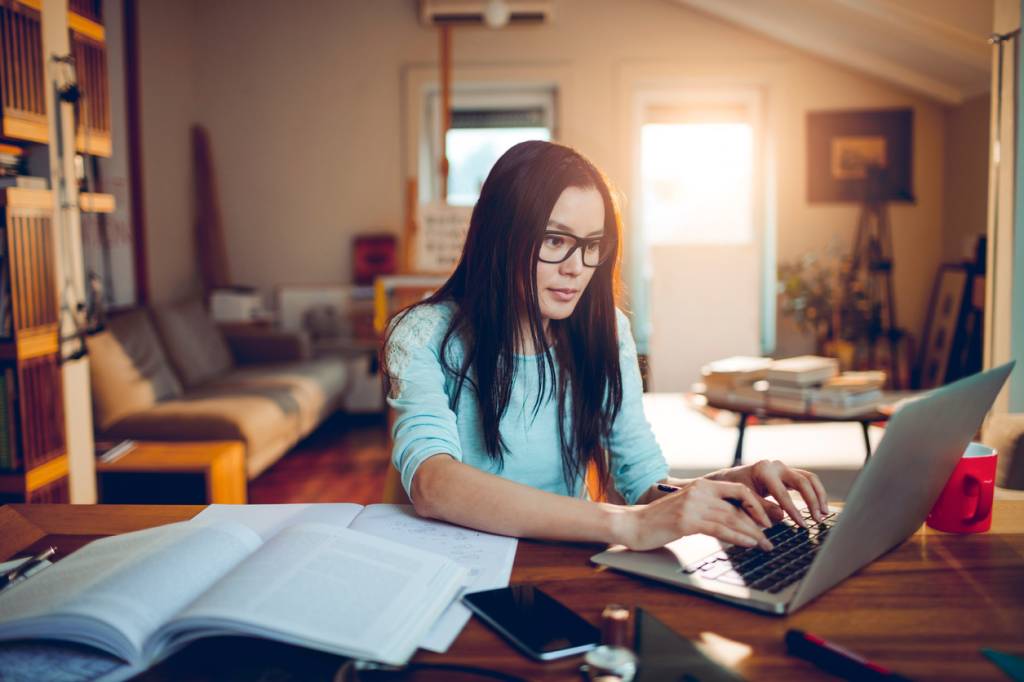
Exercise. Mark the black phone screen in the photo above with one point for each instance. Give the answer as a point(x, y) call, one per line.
point(534, 621)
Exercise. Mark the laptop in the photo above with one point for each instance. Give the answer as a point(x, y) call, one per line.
point(888, 502)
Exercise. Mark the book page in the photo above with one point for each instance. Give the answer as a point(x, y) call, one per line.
point(268, 519)
point(114, 592)
point(329, 588)
point(488, 557)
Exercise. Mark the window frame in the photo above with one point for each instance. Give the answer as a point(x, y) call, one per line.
point(480, 96)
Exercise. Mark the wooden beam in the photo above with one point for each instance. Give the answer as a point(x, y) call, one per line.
point(86, 27)
point(446, 105)
point(135, 187)
point(95, 202)
point(24, 198)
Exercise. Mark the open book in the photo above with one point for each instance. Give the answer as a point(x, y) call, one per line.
point(141, 596)
point(488, 557)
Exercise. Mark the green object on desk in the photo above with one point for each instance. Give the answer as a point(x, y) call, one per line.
point(1012, 665)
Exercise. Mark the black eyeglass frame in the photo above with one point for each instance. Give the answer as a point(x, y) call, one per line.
point(578, 243)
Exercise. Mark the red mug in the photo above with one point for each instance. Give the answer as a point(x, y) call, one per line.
point(965, 504)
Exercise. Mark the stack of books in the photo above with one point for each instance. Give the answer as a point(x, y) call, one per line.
point(11, 160)
point(813, 385)
point(850, 394)
point(737, 380)
point(807, 384)
point(792, 382)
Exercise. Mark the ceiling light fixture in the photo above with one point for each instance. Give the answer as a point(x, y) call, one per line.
point(496, 13)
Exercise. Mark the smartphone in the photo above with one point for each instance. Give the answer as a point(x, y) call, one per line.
point(533, 621)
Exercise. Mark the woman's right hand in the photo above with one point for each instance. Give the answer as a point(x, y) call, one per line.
point(699, 506)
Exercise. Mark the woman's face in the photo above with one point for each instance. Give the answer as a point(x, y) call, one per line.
point(580, 213)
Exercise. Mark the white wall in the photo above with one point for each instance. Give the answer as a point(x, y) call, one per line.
point(167, 93)
point(304, 103)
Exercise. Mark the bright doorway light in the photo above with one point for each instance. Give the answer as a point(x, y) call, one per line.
point(697, 183)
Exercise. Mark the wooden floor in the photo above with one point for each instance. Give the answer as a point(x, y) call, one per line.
point(345, 460)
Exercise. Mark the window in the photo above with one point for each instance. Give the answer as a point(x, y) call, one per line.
point(485, 123)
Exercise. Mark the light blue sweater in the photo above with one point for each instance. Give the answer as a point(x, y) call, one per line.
point(426, 426)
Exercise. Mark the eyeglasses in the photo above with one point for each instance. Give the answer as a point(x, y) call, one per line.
point(557, 247)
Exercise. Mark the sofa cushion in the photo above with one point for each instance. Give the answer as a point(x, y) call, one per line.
point(316, 385)
point(128, 369)
point(266, 419)
point(194, 344)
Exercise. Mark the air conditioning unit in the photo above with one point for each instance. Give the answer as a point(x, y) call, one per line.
point(475, 12)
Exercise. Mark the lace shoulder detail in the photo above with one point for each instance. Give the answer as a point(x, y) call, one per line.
point(627, 345)
point(410, 332)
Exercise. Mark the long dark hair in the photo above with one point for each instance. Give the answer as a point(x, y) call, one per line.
point(494, 288)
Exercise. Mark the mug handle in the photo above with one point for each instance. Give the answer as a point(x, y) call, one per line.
point(986, 490)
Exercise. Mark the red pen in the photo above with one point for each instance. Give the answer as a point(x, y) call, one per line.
point(835, 659)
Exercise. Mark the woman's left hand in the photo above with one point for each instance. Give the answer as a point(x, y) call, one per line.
point(776, 479)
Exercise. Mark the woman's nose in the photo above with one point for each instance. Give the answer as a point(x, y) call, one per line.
point(574, 263)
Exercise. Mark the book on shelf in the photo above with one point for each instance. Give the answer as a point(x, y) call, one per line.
point(23, 182)
point(141, 596)
point(8, 431)
point(802, 370)
point(6, 458)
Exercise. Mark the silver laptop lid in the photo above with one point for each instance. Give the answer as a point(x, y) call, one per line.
point(893, 494)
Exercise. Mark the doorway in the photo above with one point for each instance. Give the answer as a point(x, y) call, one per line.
point(706, 278)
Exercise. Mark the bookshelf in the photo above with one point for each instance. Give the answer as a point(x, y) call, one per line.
point(23, 114)
point(33, 456)
point(34, 461)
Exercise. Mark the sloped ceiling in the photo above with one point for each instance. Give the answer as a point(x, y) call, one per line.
point(935, 47)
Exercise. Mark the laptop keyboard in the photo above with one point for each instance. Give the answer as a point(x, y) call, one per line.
point(772, 571)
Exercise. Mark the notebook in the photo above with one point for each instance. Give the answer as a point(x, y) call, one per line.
point(144, 595)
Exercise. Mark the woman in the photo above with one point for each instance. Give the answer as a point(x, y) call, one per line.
point(519, 373)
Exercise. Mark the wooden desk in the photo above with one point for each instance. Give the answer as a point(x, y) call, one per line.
point(925, 609)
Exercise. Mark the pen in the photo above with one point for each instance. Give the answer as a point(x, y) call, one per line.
point(835, 659)
point(21, 569)
point(666, 488)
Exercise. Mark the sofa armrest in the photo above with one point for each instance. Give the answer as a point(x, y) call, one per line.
point(252, 345)
point(1005, 433)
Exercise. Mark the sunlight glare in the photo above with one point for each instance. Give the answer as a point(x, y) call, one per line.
point(697, 183)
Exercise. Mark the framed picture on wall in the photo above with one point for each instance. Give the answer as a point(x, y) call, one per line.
point(944, 316)
point(843, 145)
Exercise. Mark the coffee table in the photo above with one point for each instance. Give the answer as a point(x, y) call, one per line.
point(764, 412)
point(210, 472)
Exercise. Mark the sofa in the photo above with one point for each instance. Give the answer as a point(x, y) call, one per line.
point(170, 373)
point(1005, 433)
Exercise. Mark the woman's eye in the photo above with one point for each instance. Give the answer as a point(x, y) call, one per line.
point(553, 241)
point(594, 247)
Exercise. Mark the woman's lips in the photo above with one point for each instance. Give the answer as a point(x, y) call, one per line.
point(564, 295)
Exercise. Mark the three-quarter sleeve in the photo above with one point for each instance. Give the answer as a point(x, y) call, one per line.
point(636, 459)
point(424, 425)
